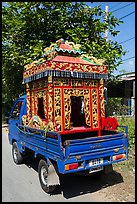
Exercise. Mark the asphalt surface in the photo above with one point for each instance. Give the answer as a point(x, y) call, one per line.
point(20, 183)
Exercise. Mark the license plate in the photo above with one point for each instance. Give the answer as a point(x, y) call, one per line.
point(96, 162)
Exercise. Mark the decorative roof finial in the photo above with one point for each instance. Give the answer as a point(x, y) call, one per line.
point(60, 41)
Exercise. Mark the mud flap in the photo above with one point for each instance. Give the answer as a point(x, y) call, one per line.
point(108, 169)
point(53, 178)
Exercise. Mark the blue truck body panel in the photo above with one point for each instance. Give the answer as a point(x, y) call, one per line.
point(82, 151)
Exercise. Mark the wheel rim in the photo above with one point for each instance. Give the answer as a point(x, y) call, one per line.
point(44, 175)
point(15, 154)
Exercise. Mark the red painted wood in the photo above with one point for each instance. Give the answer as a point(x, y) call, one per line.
point(79, 129)
point(62, 110)
point(91, 107)
point(72, 60)
point(99, 113)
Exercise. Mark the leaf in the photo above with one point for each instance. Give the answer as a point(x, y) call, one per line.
point(55, 10)
point(29, 27)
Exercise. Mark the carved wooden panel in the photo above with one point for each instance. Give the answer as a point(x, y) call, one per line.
point(67, 104)
point(95, 123)
point(101, 97)
point(50, 96)
point(60, 82)
point(91, 83)
point(57, 109)
point(28, 104)
point(87, 106)
point(77, 82)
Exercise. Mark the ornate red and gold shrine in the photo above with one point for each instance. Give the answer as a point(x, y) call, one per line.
point(65, 90)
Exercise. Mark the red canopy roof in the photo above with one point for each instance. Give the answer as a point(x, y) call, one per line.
point(71, 60)
point(65, 47)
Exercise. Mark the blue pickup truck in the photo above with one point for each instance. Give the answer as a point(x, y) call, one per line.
point(62, 154)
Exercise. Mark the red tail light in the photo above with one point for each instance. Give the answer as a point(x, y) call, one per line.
point(71, 166)
point(119, 156)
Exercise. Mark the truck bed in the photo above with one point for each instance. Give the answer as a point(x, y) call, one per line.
point(94, 145)
point(81, 148)
point(87, 148)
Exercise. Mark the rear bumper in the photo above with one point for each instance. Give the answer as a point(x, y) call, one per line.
point(85, 164)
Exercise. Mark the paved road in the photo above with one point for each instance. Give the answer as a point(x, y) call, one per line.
point(20, 183)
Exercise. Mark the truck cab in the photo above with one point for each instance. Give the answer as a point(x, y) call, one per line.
point(18, 109)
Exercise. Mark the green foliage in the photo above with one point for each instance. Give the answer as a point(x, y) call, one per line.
point(130, 122)
point(29, 27)
point(130, 163)
point(115, 107)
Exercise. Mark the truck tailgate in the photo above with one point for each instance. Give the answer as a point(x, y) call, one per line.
point(96, 146)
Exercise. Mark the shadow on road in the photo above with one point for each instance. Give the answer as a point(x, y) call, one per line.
point(72, 185)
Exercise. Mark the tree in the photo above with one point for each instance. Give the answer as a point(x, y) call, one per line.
point(29, 27)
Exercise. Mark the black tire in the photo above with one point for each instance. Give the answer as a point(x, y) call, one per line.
point(16, 154)
point(43, 176)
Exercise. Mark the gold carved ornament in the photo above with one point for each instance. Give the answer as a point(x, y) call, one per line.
point(36, 122)
point(67, 104)
point(57, 109)
point(101, 95)
point(94, 108)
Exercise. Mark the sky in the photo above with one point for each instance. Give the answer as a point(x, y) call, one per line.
point(127, 30)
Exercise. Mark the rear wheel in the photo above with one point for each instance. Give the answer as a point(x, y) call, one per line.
point(16, 154)
point(43, 176)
